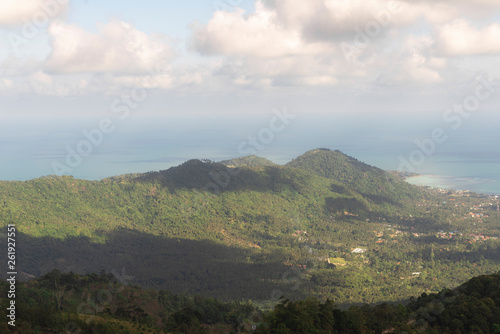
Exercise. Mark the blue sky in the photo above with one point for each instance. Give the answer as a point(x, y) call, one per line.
point(67, 65)
point(169, 17)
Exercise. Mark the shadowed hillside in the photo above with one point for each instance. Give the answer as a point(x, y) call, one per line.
point(177, 265)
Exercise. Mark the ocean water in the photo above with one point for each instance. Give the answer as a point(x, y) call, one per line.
point(476, 184)
point(468, 159)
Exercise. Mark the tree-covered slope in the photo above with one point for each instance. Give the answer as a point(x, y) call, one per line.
point(473, 307)
point(248, 161)
point(105, 303)
point(242, 232)
point(368, 180)
point(197, 200)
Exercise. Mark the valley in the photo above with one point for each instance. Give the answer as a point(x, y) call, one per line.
point(324, 225)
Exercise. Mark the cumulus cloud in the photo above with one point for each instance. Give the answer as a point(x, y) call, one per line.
point(462, 38)
point(419, 64)
point(282, 43)
point(118, 47)
point(327, 20)
point(261, 35)
point(290, 42)
point(284, 27)
point(16, 12)
point(290, 27)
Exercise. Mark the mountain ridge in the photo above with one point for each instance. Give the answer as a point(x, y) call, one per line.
point(248, 161)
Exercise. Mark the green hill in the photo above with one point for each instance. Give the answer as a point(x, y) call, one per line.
point(248, 161)
point(194, 200)
point(239, 233)
point(356, 175)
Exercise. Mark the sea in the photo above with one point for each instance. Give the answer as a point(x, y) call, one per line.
point(467, 159)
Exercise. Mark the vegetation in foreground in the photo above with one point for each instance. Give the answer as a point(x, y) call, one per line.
point(57, 303)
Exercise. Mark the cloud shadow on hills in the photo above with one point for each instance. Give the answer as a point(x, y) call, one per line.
point(177, 265)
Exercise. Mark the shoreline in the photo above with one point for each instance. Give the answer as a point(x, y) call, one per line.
point(454, 183)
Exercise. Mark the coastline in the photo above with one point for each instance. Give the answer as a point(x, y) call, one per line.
point(473, 184)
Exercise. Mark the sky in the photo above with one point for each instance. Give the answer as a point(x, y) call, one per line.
point(69, 65)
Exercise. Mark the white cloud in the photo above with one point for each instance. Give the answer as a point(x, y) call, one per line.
point(118, 47)
point(291, 27)
point(413, 64)
point(283, 44)
point(333, 20)
point(327, 20)
point(442, 11)
point(261, 35)
point(280, 28)
point(17, 12)
point(420, 65)
point(291, 42)
point(462, 38)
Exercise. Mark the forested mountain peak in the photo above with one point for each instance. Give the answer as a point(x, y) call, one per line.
point(324, 161)
point(358, 175)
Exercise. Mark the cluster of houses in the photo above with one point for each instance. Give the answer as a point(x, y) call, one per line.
point(448, 235)
point(299, 233)
point(477, 215)
point(471, 237)
point(413, 274)
point(480, 237)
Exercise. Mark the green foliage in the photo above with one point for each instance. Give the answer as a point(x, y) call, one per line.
point(52, 302)
point(248, 161)
point(377, 185)
point(58, 302)
point(474, 307)
point(242, 233)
